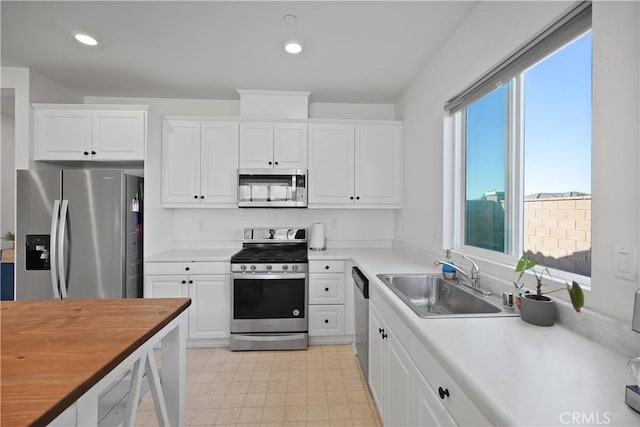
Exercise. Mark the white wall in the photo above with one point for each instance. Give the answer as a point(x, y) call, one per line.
point(491, 31)
point(223, 227)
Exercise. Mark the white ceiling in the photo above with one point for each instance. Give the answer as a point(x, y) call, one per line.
point(353, 51)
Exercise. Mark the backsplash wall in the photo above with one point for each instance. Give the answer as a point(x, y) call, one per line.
point(207, 228)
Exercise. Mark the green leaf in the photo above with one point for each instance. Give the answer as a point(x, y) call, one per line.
point(521, 262)
point(576, 295)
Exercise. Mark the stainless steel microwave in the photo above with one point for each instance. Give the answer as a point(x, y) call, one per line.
point(272, 188)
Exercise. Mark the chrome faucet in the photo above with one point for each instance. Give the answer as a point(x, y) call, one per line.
point(473, 277)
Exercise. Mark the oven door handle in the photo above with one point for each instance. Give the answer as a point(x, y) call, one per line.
point(267, 276)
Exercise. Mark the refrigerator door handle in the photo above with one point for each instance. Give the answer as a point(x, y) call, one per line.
point(64, 207)
point(53, 253)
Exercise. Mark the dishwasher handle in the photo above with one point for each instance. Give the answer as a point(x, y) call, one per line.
point(360, 281)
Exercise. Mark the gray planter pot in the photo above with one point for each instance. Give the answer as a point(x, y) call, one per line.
point(540, 311)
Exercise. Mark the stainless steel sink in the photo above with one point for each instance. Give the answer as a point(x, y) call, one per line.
point(430, 295)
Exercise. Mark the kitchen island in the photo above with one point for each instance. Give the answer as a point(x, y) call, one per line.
point(58, 356)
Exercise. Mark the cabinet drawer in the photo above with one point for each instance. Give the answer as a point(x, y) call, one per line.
point(459, 405)
point(326, 266)
point(326, 320)
point(326, 288)
point(187, 268)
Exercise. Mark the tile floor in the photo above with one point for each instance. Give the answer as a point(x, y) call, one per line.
point(322, 386)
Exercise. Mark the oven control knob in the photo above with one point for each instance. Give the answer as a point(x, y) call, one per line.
point(253, 268)
point(269, 267)
point(285, 267)
point(294, 267)
point(243, 267)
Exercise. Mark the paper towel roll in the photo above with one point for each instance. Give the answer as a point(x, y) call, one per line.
point(317, 242)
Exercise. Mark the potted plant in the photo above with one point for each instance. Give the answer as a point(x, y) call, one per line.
point(9, 237)
point(537, 308)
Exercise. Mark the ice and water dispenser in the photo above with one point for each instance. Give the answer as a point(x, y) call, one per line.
point(37, 252)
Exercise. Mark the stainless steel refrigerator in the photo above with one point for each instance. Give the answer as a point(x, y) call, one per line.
point(79, 234)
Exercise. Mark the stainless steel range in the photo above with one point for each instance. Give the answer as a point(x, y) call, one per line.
point(269, 290)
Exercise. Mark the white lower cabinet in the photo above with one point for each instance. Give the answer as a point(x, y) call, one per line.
point(409, 387)
point(327, 311)
point(209, 293)
point(326, 320)
point(391, 373)
point(429, 412)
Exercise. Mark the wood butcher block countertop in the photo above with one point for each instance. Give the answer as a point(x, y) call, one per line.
point(54, 351)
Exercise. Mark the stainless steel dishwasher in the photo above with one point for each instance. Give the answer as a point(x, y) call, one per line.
point(361, 303)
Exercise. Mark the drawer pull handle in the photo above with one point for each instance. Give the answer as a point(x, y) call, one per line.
point(326, 320)
point(326, 267)
point(380, 330)
point(326, 289)
point(186, 268)
point(384, 336)
point(443, 392)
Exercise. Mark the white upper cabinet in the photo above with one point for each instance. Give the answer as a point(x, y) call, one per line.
point(219, 162)
point(378, 174)
point(268, 145)
point(355, 165)
point(331, 163)
point(89, 132)
point(199, 163)
point(180, 162)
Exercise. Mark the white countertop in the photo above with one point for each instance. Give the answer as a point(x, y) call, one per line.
point(518, 374)
point(196, 255)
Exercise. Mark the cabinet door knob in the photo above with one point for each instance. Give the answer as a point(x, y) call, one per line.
point(351, 197)
point(270, 163)
point(358, 198)
point(384, 336)
point(195, 197)
point(326, 289)
point(380, 330)
point(326, 320)
point(184, 281)
point(86, 153)
point(93, 152)
point(326, 267)
point(443, 392)
point(276, 163)
point(186, 268)
point(190, 281)
point(202, 197)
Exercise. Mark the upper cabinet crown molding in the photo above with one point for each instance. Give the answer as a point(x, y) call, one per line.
point(90, 132)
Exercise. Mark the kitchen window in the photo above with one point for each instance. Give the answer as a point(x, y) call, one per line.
point(522, 136)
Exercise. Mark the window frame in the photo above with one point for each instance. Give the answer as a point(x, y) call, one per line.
point(514, 182)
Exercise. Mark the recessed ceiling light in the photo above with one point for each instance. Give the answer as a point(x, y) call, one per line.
point(85, 39)
point(293, 47)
